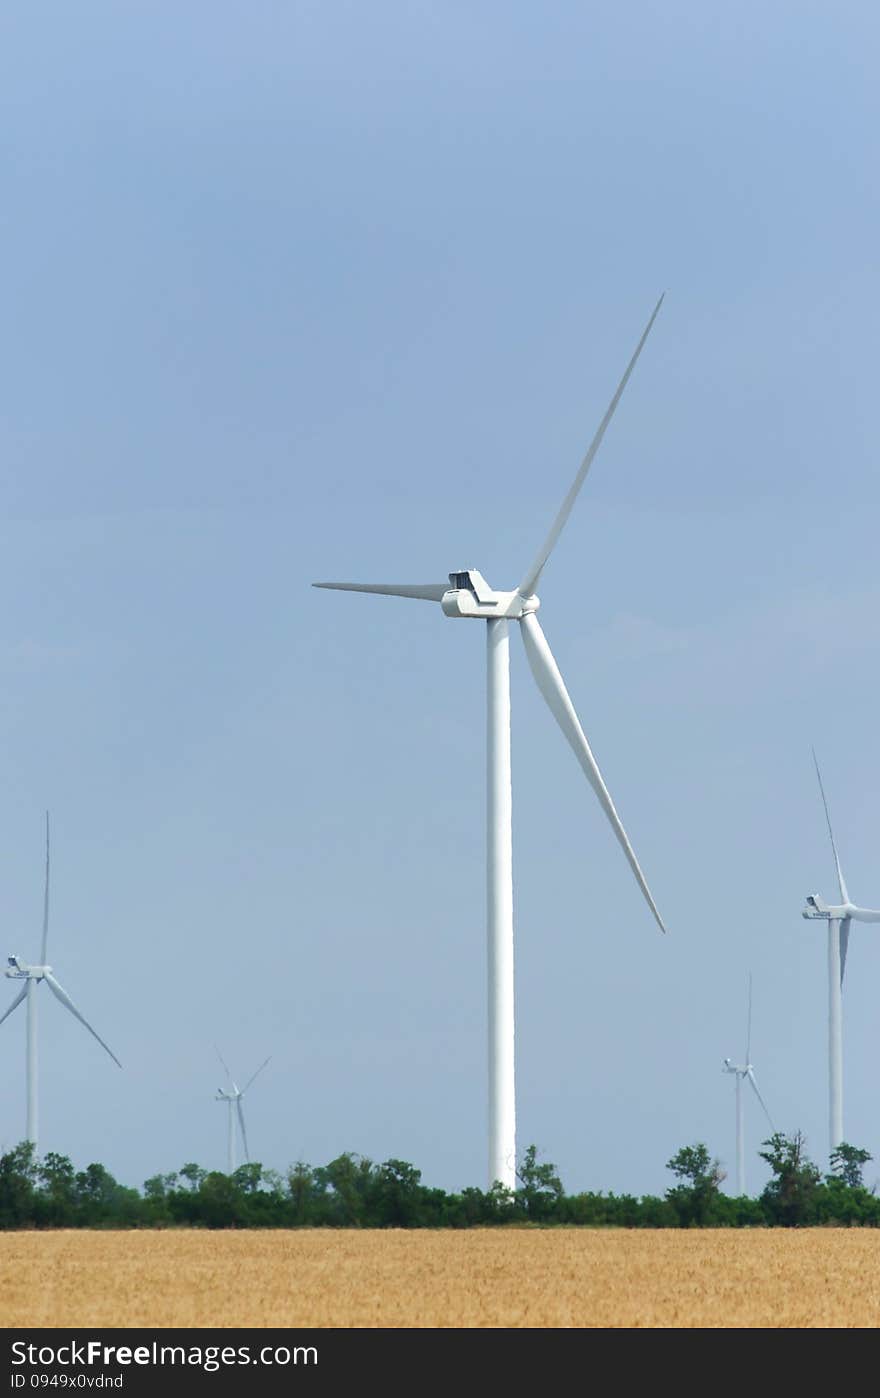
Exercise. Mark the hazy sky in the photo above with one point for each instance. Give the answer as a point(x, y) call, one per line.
point(294, 291)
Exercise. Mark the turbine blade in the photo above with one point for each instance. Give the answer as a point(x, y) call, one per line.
point(255, 1075)
point(243, 1132)
point(843, 893)
point(61, 994)
point(223, 1062)
point(844, 943)
point(530, 581)
point(749, 1033)
point(751, 1077)
point(552, 686)
point(423, 592)
point(864, 915)
point(16, 1002)
point(46, 901)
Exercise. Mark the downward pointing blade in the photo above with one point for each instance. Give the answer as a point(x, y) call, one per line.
point(255, 1075)
point(751, 1077)
point(243, 1132)
point(16, 1002)
point(530, 581)
point(46, 901)
point(844, 943)
point(552, 686)
point(61, 994)
point(843, 893)
point(423, 592)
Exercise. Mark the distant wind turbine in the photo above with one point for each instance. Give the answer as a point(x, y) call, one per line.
point(744, 1071)
point(839, 919)
point(32, 975)
point(467, 594)
point(232, 1096)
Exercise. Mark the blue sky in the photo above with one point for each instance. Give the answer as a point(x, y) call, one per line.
point(330, 290)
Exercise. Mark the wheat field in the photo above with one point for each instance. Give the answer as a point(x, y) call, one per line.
point(500, 1277)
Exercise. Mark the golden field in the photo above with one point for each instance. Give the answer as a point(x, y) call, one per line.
point(499, 1277)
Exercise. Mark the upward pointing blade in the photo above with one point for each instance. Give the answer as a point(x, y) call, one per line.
point(845, 925)
point(254, 1075)
point(61, 994)
point(530, 581)
point(552, 686)
point(16, 1002)
point(843, 893)
point(46, 901)
point(223, 1063)
point(423, 592)
point(749, 1032)
point(243, 1132)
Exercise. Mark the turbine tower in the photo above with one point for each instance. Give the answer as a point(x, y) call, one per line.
point(232, 1097)
point(467, 594)
point(839, 919)
point(744, 1071)
point(19, 970)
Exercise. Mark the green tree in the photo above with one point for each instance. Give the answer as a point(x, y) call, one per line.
point(846, 1165)
point(399, 1195)
point(301, 1191)
point(350, 1178)
point(695, 1197)
point(193, 1174)
point(57, 1202)
point(18, 1179)
point(790, 1198)
point(540, 1186)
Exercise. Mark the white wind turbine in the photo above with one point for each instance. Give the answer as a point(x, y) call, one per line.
point(467, 594)
point(744, 1071)
point(32, 975)
point(839, 919)
point(232, 1097)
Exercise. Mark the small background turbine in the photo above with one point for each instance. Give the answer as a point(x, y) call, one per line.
point(232, 1096)
point(744, 1071)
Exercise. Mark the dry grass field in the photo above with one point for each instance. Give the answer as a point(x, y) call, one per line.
point(512, 1277)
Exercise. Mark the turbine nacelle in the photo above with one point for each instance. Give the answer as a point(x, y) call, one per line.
point(471, 596)
point(19, 970)
point(816, 907)
point(731, 1067)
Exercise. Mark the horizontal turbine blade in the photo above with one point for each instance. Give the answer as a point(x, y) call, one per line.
point(530, 581)
point(864, 915)
point(254, 1075)
point(16, 1002)
point(751, 1077)
point(423, 592)
point(552, 686)
point(243, 1132)
point(61, 994)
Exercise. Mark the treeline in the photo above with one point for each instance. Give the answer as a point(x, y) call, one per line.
point(353, 1192)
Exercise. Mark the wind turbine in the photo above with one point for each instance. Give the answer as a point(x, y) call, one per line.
point(232, 1097)
point(19, 970)
point(744, 1071)
point(467, 594)
point(839, 919)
